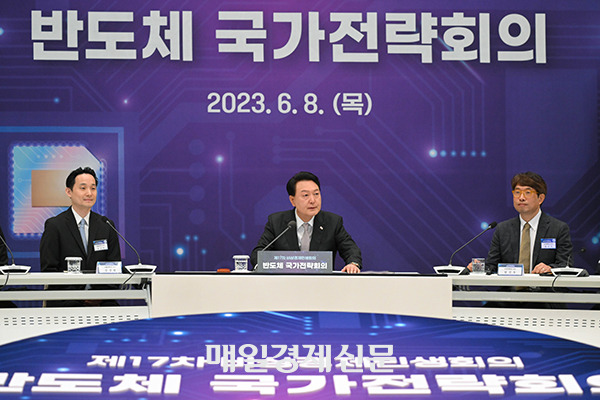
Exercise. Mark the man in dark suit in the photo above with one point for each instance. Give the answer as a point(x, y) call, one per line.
point(79, 232)
point(534, 238)
point(316, 230)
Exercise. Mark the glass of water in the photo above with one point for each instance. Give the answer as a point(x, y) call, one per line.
point(241, 262)
point(478, 265)
point(73, 265)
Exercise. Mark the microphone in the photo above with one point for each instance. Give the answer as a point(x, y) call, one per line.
point(12, 269)
point(290, 225)
point(490, 226)
point(139, 268)
point(570, 271)
point(450, 269)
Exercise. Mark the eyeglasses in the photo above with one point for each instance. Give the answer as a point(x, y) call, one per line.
point(527, 193)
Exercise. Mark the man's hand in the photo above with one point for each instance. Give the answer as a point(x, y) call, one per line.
point(541, 268)
point(470, 267)
point(351, 269)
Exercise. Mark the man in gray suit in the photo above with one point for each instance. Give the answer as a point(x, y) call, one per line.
point(316, 230)
point(534, 238)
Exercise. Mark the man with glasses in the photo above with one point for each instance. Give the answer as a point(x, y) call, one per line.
point(534, 239)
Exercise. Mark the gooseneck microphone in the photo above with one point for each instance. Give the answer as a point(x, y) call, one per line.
point(450, 269)
point(290, 225)
point(12, 269)
point(490, 226)
point(9, 250)
point(570, 271)
point(105, 219)
point(139, 268)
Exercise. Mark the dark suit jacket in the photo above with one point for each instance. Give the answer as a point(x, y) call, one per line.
point(506, 243)
point(4, 261)
point(328, 235)
point(3, 253)
point(61, 239)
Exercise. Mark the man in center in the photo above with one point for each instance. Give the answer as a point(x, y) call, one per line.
point(316, 230)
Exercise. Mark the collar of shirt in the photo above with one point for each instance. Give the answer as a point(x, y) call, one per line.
point(78, 218)
point(533, 223)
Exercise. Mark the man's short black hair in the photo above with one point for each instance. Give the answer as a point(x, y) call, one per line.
point(79, 171)
point(301, 176)
point(531, 179)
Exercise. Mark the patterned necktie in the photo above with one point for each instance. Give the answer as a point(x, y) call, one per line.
point(82, 233)
point(305, 240)
point(525, 250)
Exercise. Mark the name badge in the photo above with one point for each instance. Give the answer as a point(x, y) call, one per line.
point(100, 245)
point(549, 244)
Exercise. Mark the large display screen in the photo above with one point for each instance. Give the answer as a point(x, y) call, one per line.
point(414, 116)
